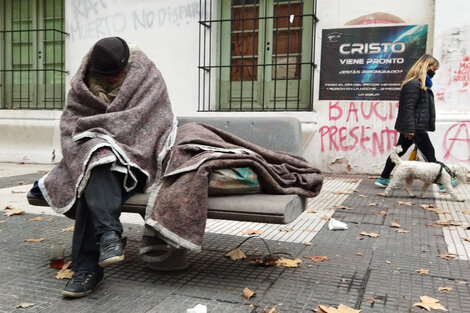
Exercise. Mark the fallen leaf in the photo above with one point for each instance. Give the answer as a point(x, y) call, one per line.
point(382, 213)
point(326, 217)
point(341, 309)
point(360, 253)
point(447, 256)
point(14, 191)
point(349, 192)
point(25, 305)
point(1, 222)
point(466, 211)
point(285, 229)
point(288, 262)
point(340, 207)
point(369, 299)
point(394, 223)
point(38, 218)
point(22, 182)
point(401, 230)
point(14, 212)
point(462, 282)
point(310, 230)
point(351, 180)
point(467, 239)
point(372, 204)
point(388, 262)
point(247, 293)
point(373, 235)
point(466, 227)
point(427, 206)
point(65, 272)
point(34, 240)
point(445, 288)
point(380, 194)
point(71, 228)
point(50, 220)
point(309, 210)
point(429, 303)
point(236, 254)
point(405, 203)
point(273, 309)
point(317, 258)
point(363, 196)
point(344, 280)
point(446, 222)
point(252, 232)
point(423, 271)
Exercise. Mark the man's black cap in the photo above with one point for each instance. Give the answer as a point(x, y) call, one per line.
point(109, 56)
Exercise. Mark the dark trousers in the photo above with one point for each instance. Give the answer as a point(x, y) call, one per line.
point(97, 211)
point(424, 144)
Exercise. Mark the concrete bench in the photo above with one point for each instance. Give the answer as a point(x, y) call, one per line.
point(280, 134)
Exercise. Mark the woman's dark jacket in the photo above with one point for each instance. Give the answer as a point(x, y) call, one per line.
point(416, 111)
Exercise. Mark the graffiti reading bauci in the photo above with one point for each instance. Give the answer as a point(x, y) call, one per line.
point(353, 125)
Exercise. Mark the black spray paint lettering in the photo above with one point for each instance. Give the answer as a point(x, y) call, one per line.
point(99, 27)
point(146, 19)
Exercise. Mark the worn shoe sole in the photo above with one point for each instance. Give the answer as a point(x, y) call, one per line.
point(111, 260)
point(380, 185)
point(71, 294)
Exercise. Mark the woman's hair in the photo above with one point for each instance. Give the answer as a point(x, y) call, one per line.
point(420, 69)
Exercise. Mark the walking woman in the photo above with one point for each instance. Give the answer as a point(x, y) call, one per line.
point(416, 114)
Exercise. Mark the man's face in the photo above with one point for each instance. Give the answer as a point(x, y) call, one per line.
point(115, 78)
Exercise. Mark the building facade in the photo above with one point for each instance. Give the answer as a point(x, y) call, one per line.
point(334, 65)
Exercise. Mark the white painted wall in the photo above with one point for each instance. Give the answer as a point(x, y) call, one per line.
point(167, 30)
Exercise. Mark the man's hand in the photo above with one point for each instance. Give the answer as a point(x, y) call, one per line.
point(409, 135)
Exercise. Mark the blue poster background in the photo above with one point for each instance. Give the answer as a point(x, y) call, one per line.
point(368, 63)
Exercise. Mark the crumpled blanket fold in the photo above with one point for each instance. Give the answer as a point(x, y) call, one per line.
point(177, 207)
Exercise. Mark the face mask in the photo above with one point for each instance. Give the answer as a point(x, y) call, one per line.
point(431, 73)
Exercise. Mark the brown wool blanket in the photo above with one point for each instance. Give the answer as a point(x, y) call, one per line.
point(133, 133)
point(177, 207)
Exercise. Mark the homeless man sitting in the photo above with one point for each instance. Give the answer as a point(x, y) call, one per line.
point(119, 136)
point(115, 130)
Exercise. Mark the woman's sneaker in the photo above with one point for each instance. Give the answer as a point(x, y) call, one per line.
point(455, 182)
point(382, 182)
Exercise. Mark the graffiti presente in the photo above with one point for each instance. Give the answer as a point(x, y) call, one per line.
point(456, 145)
point(350, 136)
point(93, 19)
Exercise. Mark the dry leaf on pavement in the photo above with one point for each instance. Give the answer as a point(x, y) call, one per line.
point(445, 288)
point(369, 299)
point(326, 217)
point(349, 192)
point(372, 204)
point(288, 262)
point(1, 222)
point(65, 272)
point(285, 229)
point(405, 203)
point(401, 230)
point(394, 223)
point(466, 211)
point(310, 230)
point(12, 211)
point(447, 256)
point(71, 228)
point(22, 182)
point(383, 213)
point(249, 231)
point(14, 191)
point(423, 271)
point(37, 218)
point(236, 254)
point(25, 305)
point(427, 206)
point(247, 293)
point(363, 196)
point(341, 309)
point(317, 258)
point(429, 303)
point(360, 253)
point(310, 210)
point(373, 235)
point(467, 239)
point(34, 240)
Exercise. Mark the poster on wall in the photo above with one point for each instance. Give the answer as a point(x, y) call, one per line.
point(368, 63)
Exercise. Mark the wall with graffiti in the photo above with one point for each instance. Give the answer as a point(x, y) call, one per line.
point(355, 135)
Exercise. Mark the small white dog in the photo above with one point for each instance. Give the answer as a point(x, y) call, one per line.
point(427, 172)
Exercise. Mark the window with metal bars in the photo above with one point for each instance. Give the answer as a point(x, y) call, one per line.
point(32, 54)
point(256, 55)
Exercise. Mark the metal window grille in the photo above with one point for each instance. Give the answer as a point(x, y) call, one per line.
point(32, 54)
point(256, 55)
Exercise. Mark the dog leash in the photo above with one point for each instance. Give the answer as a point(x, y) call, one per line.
point(443, 166)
